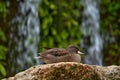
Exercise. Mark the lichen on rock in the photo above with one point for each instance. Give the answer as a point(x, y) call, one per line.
point(68, 71)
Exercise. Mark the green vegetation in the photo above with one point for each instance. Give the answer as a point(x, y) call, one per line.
point(2, 9)
point(110, 27)
point(60, 23)
point(3, 49)
point(2, 55)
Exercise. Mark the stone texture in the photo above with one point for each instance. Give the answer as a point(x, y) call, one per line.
point(68, 71)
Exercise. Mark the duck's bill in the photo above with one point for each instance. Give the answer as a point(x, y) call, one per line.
point(80, 52)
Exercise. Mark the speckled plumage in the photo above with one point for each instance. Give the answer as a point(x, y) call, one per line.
point(55, 55)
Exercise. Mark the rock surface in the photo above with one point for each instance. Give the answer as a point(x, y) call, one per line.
point(68, 71)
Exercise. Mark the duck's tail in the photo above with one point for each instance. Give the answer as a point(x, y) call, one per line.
point(38, 57)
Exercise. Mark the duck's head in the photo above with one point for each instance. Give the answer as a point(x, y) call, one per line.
point(74, 49)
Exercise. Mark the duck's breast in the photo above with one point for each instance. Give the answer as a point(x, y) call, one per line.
point(76, 58)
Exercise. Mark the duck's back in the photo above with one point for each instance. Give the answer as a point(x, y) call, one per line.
point(55, 52)
point(56, 55)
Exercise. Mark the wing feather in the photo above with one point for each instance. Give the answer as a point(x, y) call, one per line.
point(55, 52)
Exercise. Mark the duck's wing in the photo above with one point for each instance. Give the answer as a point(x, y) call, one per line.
point(56, 55)
point(55, 52)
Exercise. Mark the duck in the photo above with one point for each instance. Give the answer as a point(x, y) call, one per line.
point(55, 55)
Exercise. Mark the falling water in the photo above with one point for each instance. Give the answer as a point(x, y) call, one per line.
point(24, 36)
point(92, 42)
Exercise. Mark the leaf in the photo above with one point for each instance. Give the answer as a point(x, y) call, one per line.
point(54, 32)
point(46, 2)
point(3, 9)
point(76, 13)
point(2, 35)
point(64, 35)
point(52, 6)
point(2, 70)
point(64, 14)
point(50, 39)
point(2, 52)
point(45, 32)
point(74, 22)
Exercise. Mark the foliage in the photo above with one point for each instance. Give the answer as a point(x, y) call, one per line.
point(2, 9)
point(110, 23)
point(2, 55)
point(60, 23)
point(3, 49)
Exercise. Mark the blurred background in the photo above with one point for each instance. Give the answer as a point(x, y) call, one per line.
point(28, 25)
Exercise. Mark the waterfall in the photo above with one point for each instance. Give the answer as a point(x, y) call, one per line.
point(92, 41)
point(24, 36)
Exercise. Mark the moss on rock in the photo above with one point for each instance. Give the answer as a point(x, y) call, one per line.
point(69, 71)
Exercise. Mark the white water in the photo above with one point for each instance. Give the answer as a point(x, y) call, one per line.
point(92, 41)
point(24, 36)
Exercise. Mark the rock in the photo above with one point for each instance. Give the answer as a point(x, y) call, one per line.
point(109, 72)
point(68, 71)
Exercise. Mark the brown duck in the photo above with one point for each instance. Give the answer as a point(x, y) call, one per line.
point(55, 55)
